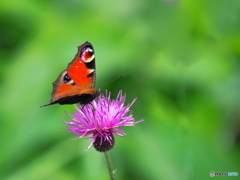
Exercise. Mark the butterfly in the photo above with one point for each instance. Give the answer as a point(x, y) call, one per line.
point(76, 84)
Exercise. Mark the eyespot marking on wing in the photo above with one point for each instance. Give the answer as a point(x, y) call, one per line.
point(87, 54)
point(67, 79)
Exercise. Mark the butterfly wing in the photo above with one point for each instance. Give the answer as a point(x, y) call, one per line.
point(77, 83)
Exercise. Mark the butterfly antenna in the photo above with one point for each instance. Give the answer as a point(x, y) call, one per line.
point(113, 80)
point(46, 105)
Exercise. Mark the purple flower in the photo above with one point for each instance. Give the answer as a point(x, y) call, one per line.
point(100, 120)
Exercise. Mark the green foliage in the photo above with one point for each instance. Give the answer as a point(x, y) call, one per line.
point(180, 59)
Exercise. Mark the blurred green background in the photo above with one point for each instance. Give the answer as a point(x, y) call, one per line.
point(180, 59)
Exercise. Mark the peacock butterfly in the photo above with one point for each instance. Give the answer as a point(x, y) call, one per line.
point(76, 84)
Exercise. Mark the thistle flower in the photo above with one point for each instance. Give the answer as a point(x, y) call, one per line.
point(100, 120)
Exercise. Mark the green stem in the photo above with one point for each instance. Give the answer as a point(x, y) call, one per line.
point(110, 165)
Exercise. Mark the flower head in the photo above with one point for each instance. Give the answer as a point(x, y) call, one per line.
point(100, 120)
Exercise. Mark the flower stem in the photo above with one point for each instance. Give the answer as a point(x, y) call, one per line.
point(110, 165)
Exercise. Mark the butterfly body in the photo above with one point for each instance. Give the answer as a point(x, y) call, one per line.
point(76, 84)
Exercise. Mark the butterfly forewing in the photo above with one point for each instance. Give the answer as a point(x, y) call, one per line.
point(82, 68)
